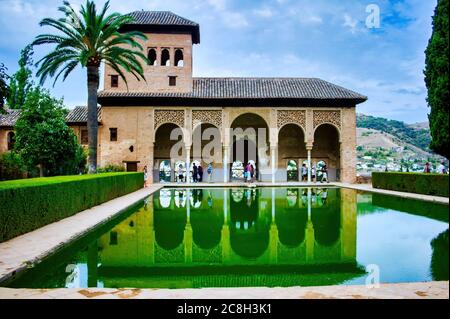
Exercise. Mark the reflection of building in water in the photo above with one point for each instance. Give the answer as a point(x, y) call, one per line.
point(244, 227)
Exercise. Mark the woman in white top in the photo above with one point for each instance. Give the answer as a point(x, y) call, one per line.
point(145, 176)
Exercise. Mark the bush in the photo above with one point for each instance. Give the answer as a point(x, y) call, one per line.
point(420, 183)
point(110, 168)
point(32, 203)
point(11, 166)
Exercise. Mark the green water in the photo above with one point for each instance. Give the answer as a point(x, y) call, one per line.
point(180, 238)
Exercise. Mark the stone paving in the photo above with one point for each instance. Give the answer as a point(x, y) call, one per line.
point(16, 254)
point(418, 290)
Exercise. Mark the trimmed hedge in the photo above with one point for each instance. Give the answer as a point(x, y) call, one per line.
point(28, 204)
point(420, 183)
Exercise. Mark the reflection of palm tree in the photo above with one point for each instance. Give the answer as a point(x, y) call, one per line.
point(439, 258)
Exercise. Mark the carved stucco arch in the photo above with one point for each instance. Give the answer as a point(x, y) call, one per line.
point(330, 117)
point(211, 117)
point(175, 117)
point(296, 124)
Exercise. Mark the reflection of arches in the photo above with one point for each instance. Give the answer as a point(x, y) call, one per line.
point(180, 198)
point(327, 220)
point(165, 57)
point(249, 235)
point(169, 225)
point(165, 197)
point(207, 227)
point(10, 138)
point(291, 223)
point(326, 147)
point(179, 60)
point(152, 57)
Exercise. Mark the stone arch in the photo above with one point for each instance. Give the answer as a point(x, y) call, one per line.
point(327, 148)
point(291, 146)
point(165, 57)
point(179, 58)
point(163, 145)
point(198, 147)
point(152, 57)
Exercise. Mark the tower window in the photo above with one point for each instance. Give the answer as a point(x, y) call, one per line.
point(179, 61)
point(113, 134)
point(152, 57)
point(172, 80)
point(165, 57)
point(114, 81)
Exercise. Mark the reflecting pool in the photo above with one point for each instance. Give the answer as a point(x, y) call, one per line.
point(241, 237)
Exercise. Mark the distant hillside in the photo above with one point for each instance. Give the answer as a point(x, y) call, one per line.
point(415, 134)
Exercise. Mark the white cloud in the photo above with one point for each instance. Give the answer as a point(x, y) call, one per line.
point(264, 12)
point(219, 5)
point(235, 19)
point(350, 22)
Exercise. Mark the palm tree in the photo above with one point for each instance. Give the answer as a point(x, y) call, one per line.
point(88, 40)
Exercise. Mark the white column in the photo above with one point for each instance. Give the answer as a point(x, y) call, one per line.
point(225, 164)
point(273, 150)
point(309, 165)
point(188, 164)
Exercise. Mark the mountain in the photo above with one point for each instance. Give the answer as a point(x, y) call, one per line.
point(417, 134)
point(393, 145)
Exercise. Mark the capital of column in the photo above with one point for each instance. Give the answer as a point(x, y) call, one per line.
point(309, 146)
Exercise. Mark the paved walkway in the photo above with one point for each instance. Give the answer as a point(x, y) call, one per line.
point(30, 248)
point(425, 290)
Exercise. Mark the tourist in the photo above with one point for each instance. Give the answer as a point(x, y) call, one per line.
point(200, 173)
point(313, 173)
point(209, 170)
point(427, 168)
point(324, 174)
point(249, 172)
point(252, 171)
point(145, 176)
point(194, 173)
point(180, 173)
point(304, 172)
point(442, 169)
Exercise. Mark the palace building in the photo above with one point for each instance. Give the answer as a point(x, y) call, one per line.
point(288, 121)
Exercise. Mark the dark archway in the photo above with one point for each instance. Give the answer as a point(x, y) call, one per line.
point(250, 142)
point(291, 147)
point(163, 146)
point(326, 148)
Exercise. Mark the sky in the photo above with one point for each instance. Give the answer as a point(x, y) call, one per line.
point(327, 39)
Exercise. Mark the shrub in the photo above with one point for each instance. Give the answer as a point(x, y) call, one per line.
point(32, 203)
point(421, 183)
point(11, 166)
point(110, 168)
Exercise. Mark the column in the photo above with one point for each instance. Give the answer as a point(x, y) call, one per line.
point(225, 163)
point(225, 236)
point(188, 164)
point(308, 149)
point(188, 240)
point(273, 153)
point(309, 236)
point(273, 234)
point(92, 262)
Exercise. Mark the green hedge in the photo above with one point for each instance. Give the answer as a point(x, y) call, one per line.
point(28, 204)
point(420, 183)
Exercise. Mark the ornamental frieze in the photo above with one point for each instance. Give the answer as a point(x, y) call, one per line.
point(207, 116)
point(330, 117)
point(291, 116)
point(169, 116)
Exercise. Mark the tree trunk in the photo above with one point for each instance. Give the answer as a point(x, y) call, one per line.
point(92, 121)
point(41, 170)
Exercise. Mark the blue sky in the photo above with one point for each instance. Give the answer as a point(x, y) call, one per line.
point(327, 39)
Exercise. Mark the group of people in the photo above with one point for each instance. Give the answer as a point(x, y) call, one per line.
point(441, 169)
point(249, 172)
point(323, 176)
point(197, 173)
